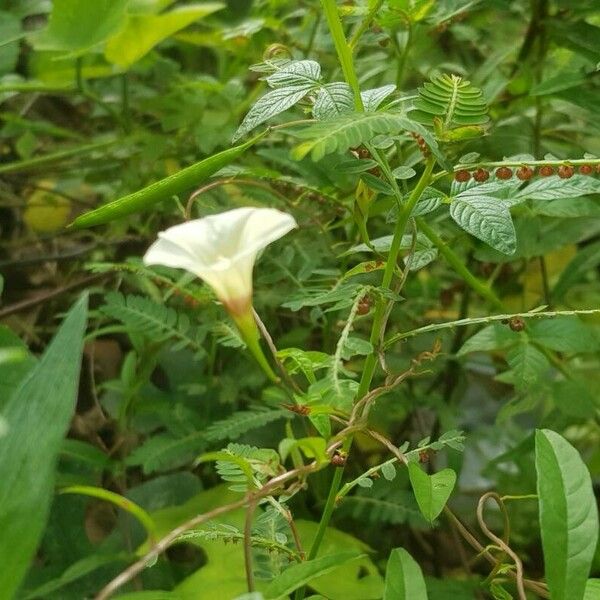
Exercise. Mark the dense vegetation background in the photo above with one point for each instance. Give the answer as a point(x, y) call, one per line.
point(432, 430)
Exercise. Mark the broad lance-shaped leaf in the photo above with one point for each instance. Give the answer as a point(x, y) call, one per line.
point(75, 26)
point(403, 578)
point(486, 218)
point(568, 515)
point(142, 32)
point(37, 417)
point(431, 491)
point(300, 574)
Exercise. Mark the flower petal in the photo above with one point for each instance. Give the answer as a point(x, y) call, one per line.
point(221, 249)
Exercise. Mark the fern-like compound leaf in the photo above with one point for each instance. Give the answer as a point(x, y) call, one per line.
point(451, 99)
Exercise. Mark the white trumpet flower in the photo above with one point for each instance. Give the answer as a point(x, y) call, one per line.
point(221, 250)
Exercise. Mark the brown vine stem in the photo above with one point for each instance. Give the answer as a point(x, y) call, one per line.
point(273, 349)
point(502, 543)
point(535, 586)
point(165, 542)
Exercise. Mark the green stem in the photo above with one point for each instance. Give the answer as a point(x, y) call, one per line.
point(250, 334)
point(343, 50)
point(364, 24)
point(371, 360)
point(403, 54)
point(380, 310)
point(459, 266)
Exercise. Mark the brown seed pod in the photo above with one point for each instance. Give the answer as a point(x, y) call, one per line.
point(565, 171)
point(525, 173)
point(586, 169)
point(364, 306)
point(338, 459)
point(546, 171)
point(462, 176)
point(481, 175)
point(424, 456)
point(516, 323)
point(504, 173)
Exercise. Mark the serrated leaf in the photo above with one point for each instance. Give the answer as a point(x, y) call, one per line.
point(552, 188)
point(403, 577)
point(567, 208)
point(528, 365)
point(492, 337)
point(568, 515)
point(299, 73)
point(333, 99)
point(271, 104)
point(373, 98)
point(486, 218)
point(431, 491)
point(564, 334)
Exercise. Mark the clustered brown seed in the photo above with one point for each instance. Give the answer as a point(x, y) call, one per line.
point(503, 173)
point(524, 173)
point(462, 175)
point(481, 175)
point(565, 171)
point(421, 143)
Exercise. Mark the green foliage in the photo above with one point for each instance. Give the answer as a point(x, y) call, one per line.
point(403, 580)
point(341, 133)
point(143, 316)
point(37, 416)
point(568, 515)
point(431, 491)
point(443, 277)
point(453, 100)
point(301, 574)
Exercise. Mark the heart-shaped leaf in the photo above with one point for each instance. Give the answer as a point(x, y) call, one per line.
point(431, 491)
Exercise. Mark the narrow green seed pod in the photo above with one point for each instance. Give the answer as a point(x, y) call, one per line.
point(162, 190)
